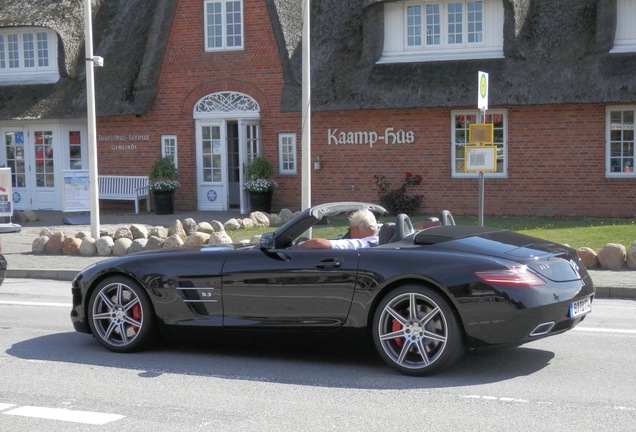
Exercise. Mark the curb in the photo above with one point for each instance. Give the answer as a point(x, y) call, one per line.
point(61, 275)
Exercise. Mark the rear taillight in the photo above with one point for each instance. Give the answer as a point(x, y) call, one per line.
point(513, 276)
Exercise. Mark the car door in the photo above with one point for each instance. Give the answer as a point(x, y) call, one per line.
point(287, 288)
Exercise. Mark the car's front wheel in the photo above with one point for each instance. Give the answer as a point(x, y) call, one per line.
point(416, 332)
point(120, 315)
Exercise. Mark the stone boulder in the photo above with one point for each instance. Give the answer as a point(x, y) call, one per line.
point(158, 231)
point(121, 246)
point(189, 226)
point(71, 246)
point(54, 245)
point(631, 257)
point(39, 244)
point(286, 215)
point(104, 245)
point(137, 245)
point(173, 241)
point(274, 219)
point(154, 243)
point(176, 229)
point(197, 239)
point(46, 232)
point(232, 225)
point(217, 226)
point(589, 258)
point(83, 234)
point(247, 223)
point(612, 256)
point(205, 227)
point(123, 232)
point(260, 218)
point(218, 238)
point(138, 231)
point(88, 248)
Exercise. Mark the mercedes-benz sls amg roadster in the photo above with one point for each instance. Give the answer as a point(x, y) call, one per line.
point(421, 297)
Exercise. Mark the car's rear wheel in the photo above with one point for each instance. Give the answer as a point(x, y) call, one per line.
point(121, 316)
point(416, 332)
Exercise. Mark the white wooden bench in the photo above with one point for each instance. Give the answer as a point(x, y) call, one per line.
point(128, 188)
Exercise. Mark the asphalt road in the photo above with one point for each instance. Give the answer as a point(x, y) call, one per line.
point(55, 379)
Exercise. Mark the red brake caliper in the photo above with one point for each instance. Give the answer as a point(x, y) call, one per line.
point(136, 314)
point(395, 327)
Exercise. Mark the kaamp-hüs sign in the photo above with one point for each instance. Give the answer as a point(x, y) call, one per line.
point(369, 138)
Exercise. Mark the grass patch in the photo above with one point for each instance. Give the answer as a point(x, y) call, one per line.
point(592, 233)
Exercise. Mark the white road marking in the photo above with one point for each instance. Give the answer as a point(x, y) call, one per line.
point(63, 414)
point(494, 398)
point(24, 303)
point(4, 406)
point(604, 330)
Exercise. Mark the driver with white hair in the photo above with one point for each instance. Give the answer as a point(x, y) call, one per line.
point(364, 233)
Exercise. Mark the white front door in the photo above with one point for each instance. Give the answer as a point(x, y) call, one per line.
point(211, 148)
point(30, 153)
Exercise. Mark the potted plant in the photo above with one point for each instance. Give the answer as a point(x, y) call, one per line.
point(259, 186)
point(163, 182)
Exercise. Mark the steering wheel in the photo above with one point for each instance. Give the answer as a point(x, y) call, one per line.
point(299, 240)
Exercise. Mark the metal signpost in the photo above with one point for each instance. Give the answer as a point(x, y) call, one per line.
point(481, 158)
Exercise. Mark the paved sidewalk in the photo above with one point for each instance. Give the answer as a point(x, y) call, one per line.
point(16, 248)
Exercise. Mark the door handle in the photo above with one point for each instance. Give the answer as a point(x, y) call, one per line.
point(329, 263)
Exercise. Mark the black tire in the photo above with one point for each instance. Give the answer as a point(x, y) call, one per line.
point(416, 332)
point(120, 315)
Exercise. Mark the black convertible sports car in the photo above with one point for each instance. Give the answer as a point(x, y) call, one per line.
point(422, 296)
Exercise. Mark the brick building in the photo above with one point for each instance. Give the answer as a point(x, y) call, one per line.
point(213, 83)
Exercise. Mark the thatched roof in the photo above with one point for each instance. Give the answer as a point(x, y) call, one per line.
point(131, 37)
point(556, 51)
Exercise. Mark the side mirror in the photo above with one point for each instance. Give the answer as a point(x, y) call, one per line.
point(267, 241)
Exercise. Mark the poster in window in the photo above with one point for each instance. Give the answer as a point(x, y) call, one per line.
point(74, 138)
point(76, 191)
point(6, 204)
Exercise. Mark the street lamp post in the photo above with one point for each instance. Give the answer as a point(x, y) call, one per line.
point(306, 112)
point(92, 123)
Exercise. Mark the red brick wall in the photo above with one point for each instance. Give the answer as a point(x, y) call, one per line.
point(556, 163)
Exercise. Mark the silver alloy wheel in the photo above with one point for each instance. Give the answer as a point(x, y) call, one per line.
point(117, 314)
point(412, 330)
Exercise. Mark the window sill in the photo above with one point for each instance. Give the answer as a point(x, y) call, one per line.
point(440, 55)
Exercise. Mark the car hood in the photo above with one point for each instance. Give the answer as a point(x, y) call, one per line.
point(552, 260)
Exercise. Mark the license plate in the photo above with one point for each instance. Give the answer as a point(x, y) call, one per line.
point(580, 307)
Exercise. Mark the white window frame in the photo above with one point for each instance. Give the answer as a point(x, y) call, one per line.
point(228, 15)
point(625, 36)
point(34, 59)
point(620, 142)
point(400, 31)
point(287, 160)
point(459, 139)
point(169, 148)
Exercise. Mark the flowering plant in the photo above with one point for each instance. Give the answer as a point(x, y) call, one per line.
point(397, 200)
point(163, 175)
point(258, 172)
point(163, 185)
point(260, 185)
